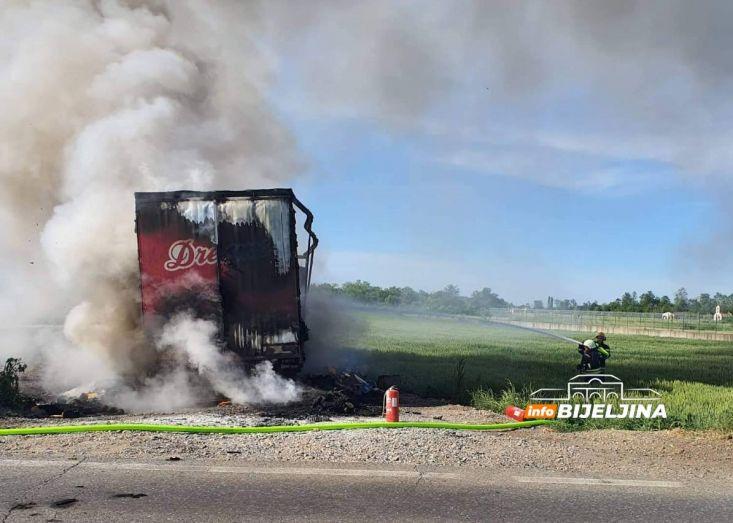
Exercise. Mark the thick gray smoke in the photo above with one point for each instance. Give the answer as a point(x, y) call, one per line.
point(101, 99)
point(653, 70)
point(334, 331)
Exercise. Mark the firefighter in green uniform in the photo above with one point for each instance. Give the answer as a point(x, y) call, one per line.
point(594, 354)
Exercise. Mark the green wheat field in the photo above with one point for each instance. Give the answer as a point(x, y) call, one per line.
point(492, 367)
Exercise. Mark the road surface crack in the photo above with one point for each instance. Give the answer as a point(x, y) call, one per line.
point(60, 474)
point(420, 475)
point(16, 503)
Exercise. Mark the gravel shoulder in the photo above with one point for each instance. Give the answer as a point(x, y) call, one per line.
point(674, 455)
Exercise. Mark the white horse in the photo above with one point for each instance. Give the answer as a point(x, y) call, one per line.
point(668, 316)
point(717, 316)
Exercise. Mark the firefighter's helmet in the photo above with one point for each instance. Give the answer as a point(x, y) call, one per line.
point(600, 336)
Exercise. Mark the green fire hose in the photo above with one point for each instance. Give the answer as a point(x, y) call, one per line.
point(143, 427)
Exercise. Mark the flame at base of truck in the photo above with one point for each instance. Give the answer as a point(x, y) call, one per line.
point(230, 257)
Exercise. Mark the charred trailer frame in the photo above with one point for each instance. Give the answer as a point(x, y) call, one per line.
point(230, 257)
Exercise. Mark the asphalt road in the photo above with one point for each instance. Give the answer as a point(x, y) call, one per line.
point(33, 490)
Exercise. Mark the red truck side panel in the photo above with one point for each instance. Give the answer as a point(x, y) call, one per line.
point(178, 260)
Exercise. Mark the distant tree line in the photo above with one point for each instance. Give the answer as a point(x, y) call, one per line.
point(649, 302)
point(449, 300)
point(646, 302)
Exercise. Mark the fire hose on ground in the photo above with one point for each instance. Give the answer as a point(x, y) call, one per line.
point(140, 427)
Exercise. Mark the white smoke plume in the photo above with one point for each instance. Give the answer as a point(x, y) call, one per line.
point(187, 343)
point(193, 340)
point(102, 98)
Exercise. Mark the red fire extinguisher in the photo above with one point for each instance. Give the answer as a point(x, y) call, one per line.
point(392, 405)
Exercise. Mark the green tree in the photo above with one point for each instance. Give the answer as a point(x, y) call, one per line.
point(361, 291)
point(408, 296)
point(390, 296)
point(648, 302)
point(681, 301)
point(485, 299)
point(10, 395)
point(628, 302)
point(705, 304)
point(665, 304)
point(447, 300)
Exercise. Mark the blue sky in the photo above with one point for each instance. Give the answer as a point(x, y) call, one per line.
point(387, 211)
point(538, 153)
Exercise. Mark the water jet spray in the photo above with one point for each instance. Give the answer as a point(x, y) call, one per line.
point(538, 331)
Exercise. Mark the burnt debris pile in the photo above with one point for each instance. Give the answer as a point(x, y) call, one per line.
point(345, 393)
point(84, 405)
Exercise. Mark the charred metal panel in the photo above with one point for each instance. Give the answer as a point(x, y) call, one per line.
point(229, 256)
point(259, 276)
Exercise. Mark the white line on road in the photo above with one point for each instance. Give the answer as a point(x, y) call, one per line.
point(596, 481)
point(316, 471)
point(217, 469)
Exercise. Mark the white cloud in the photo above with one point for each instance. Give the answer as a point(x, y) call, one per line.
point(554, 168)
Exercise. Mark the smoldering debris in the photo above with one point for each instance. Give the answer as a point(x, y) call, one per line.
point(72, 404)
point(75, 408)
point(339, 393)
point(320, 396)
point(192, 370)
point(348, 382)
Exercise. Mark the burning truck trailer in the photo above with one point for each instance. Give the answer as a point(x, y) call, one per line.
point(230, 257)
